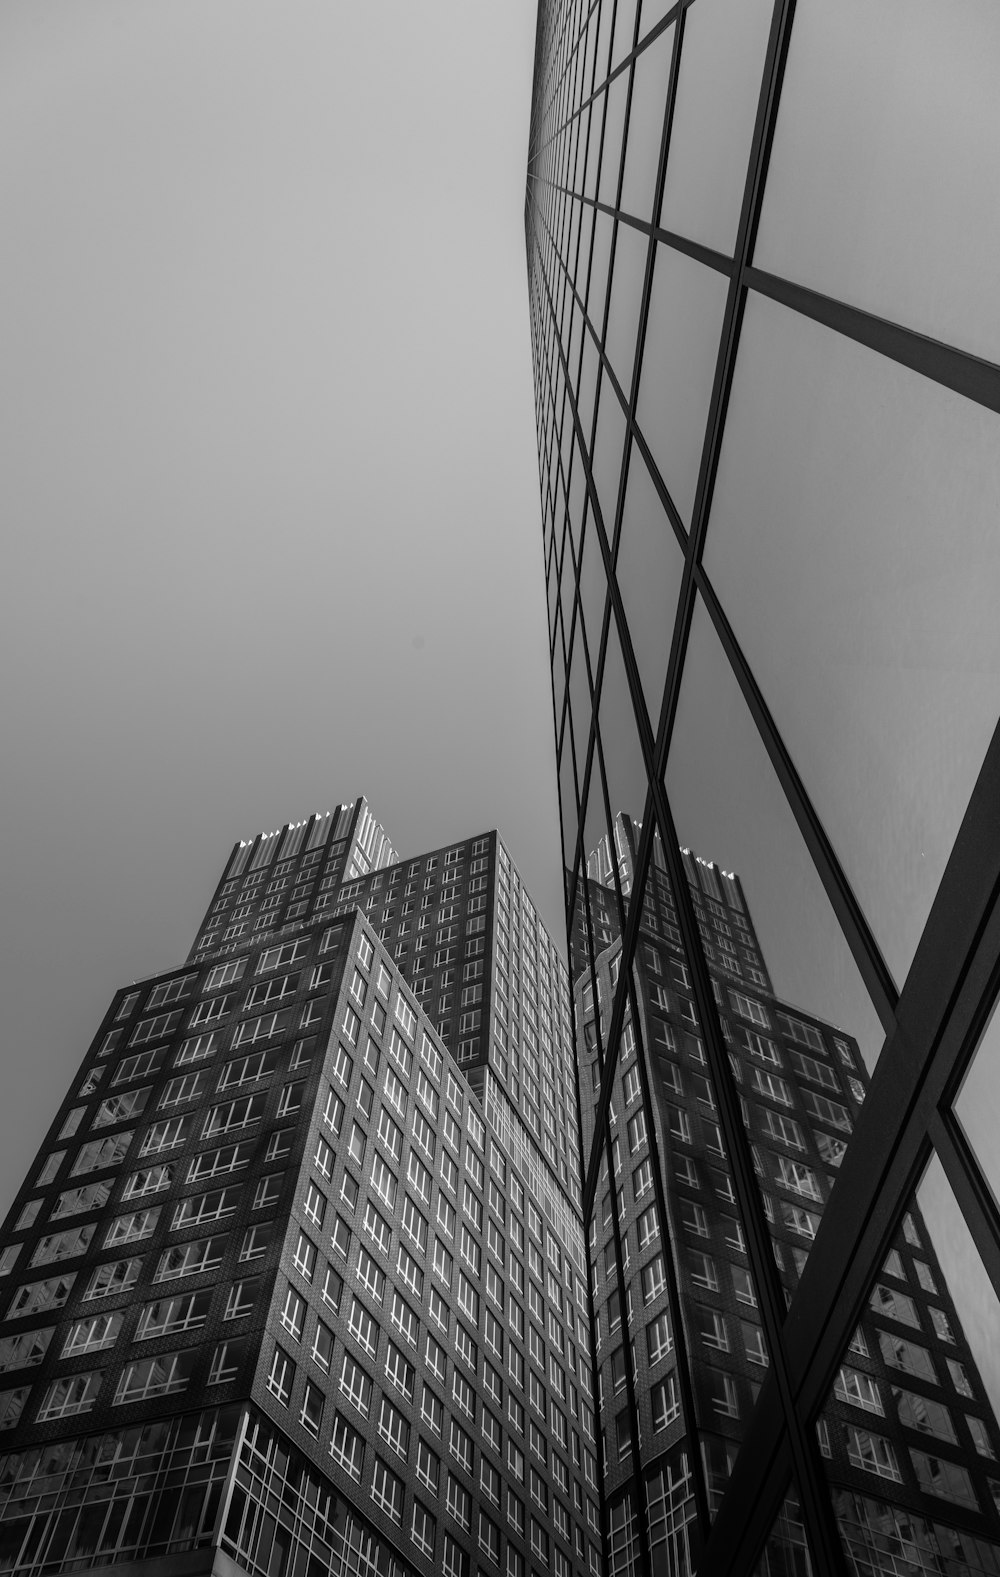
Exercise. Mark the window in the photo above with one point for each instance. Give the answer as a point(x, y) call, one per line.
point(241, 1299)
point(74, 1394)
point(160, 1376)
point(872, 1453)
point(188, 1259)
point(925, 1414)
point(199, 1209)
point(423, 1529)
point(255, 1242)
point(89, 1335)
point(937, 1476)
point(304, 1258)
point(459, 1502)
point(370, 1276)
point(169, 1316)
point(907, 1356)
point(666, 1403)
point(363, 1328)
point(27, 1349)
point(637, 1132)
point(293, 1313)
point(393, 1428)
point(404, 1319)
point(108, 1279)
point(387, 1491)
point(347, 1448)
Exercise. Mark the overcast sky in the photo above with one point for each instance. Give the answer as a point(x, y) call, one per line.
point(268, 482)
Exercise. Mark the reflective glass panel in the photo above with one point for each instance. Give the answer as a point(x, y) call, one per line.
point(978, 1103)
point(908, 1435)
point(631, 249)
point(608, 451)
point(853, 544)
point(786, 1553)
point(611, 155)
point(593, 588)
point(686, 308)
point(956, 1279)
point(623, 759)
point(651, 75)
point(648, 570)
point(770, 935)
point(882, 173)
point(722, 60)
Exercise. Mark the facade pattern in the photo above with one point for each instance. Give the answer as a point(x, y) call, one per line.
point(282, 1285)
point(766, 374)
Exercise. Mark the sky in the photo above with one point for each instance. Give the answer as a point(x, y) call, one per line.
point(268, 478)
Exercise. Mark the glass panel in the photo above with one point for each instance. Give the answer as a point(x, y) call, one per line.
point(602, 53)
point(598, 844)
point(594, 146)
point(648, 570)
point(650, 78)
point(686, 309)
point(603, 227)
point(624, 31)
point(580, 700)
point(882, 161)
point(770, 935)
point(567, 793)
point(623, 758)
point(578, 933)
point(593, 589)
point(853, 544)
point(626, 298)
point(586, 390)
point(955, 1279)
point(611, 155)
point(978, 1103)
point(722, 60)
point(727, 1353)
point(786, 1553)
point(608, 452)
point(908, 1422)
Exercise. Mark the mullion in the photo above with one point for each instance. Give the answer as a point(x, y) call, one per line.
point(959, 370)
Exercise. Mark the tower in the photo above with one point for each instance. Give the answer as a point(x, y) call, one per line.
point(754, 408)
point(283, 1292)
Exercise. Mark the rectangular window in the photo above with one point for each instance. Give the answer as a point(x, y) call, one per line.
point(281, 1377)
point(160, 1376)
point(190, 1259)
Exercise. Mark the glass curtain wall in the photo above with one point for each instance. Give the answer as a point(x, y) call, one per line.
point(761, 244)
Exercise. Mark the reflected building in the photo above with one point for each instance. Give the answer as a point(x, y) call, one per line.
point(297, 1283)
point(907, 1437)
point(765, 359)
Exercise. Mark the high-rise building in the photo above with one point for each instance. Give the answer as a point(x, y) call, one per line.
point(292, 1287)
point(765, 353)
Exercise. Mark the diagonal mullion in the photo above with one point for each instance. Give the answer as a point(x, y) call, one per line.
point(958, 370)
point(864, 948)
point(944, 1004)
